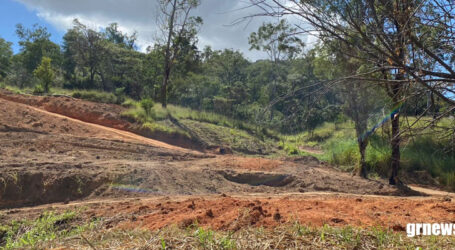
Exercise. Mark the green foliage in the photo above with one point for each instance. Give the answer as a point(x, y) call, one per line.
point(48, 227)
point(419, 153)
point(158, 127)
point(430, 154)
point(206, 237)
point(276, 40)
point(120, 95)
point(6, 53)
point(287, 236)
point(39, 90)
point(35, 44)
point(45, 74)
point(147, 105)
point(95, 96)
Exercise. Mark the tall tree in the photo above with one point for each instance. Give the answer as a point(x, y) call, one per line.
point(6, 53)
point(35, 43)
point(280, 43)
point(177, 26)
point(407, 41)
point(115, 36)
point(83, 50)
point(45, 74)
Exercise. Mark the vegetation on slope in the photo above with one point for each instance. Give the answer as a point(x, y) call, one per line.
point(52, 230)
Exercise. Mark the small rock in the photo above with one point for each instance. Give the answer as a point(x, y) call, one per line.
point(209, 213)
point(277, 216)
point(397, 228)
point(336, 220)
point(192, 205)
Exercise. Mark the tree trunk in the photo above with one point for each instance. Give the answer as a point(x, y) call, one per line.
point(167, 57)
point(362, 170)
point(164, 88)
point(92, 78)
point(395, 143)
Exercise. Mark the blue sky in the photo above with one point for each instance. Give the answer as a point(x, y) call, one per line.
point(133, 16)
point(12, 13)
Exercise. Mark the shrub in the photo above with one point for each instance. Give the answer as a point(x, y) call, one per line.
point(39, 89)
point(120, 95)
point(45, 73)
point(147, 105)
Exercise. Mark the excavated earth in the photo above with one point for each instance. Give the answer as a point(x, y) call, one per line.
point(72, 152)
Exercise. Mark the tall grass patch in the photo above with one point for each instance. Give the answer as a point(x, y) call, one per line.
point(429, 154)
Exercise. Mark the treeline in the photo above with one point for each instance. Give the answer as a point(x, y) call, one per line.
point(290, 91)
point(392, 58)
point(223, 81)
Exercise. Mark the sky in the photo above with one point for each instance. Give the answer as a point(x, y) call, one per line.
point(217, 31)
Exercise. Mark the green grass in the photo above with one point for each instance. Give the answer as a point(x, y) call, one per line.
point(96, 96)
point(287, 236)
point(425, 151)
point(209, 128)
point(48, 227)
point(237, 139)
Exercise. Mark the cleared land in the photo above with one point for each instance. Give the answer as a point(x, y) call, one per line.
point(60, 153)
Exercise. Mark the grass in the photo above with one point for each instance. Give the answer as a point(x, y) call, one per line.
point(47, 228)
point(426, 151)
point(210, 128)
point(96, 96)
point(287, 236)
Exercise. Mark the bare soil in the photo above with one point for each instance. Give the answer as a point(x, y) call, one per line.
point(49, 154)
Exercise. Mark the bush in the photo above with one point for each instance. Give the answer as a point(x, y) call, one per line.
point(147, 105)
point(120, 95)
point(39, 89)
point(45, 73)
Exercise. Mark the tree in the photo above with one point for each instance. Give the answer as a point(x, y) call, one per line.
point(280, 43)
point(178, 26)
point(408, 42)
point(6, 53)
point(83, 50)
point(35, 44)
point(45, 73)
point(115, 36)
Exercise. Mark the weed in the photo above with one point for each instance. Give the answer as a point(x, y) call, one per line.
point(48, 227)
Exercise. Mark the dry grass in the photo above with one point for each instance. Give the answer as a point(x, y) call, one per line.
point(287, 236)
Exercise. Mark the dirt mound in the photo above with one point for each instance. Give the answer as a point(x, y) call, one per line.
point(27, 189)
point(108, 115)
point(98, 113)
point(232, 213)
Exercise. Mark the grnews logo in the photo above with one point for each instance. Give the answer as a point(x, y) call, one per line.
point(426, 229)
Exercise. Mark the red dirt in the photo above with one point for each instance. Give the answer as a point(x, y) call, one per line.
point(47, 157)
point(106, 115)
point(229, 213)
point(225, 212)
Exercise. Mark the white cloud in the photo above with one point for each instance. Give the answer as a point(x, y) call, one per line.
point(140, 16)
